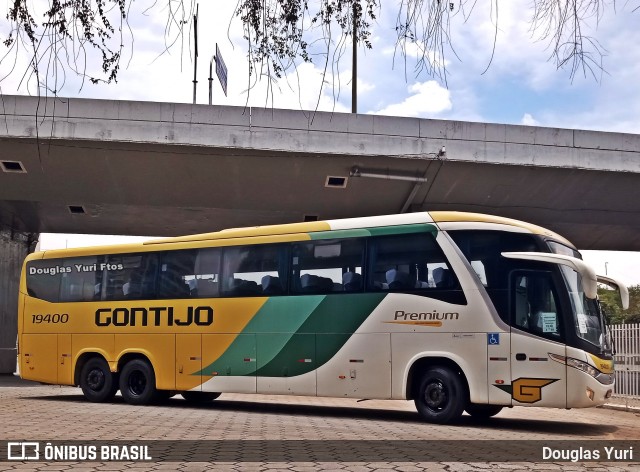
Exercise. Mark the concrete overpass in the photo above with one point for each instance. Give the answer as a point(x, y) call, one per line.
point(118, 167)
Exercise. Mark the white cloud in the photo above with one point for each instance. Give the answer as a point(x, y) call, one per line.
point(428, 98)
point(529, 120)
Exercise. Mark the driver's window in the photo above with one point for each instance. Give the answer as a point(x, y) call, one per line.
point(534, 304)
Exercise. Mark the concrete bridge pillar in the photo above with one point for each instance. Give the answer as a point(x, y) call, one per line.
point(14, 247)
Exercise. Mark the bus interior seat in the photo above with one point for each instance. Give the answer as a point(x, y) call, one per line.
point(271, 285)
point(133, 287)
point(310, 283)
point(207, 288)
point(242, 287)
point(399, 280)
point(442, 277)
point(351, 281)
point(377, 285)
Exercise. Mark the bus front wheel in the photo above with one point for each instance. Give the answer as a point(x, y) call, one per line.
point(96, 380)
point(138, 382)
point(441, 396)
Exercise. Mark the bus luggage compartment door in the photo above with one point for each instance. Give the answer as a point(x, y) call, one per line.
point(188, 361)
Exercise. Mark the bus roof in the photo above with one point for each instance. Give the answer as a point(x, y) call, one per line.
point(461, 216)
point(365, 222)
point(476, 221)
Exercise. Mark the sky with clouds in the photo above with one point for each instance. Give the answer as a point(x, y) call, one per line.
point(510, 81)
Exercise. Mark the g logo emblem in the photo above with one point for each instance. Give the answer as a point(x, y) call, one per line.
point(526, 390)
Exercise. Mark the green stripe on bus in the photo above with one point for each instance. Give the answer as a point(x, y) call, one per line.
point(403, 229)
point(322, 335)
point(277, 321)
point(274, 324)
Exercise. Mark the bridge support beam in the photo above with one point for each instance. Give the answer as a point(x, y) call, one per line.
point(14, 247)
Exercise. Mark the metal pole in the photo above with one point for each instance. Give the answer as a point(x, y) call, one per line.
point(195, 61)
point(211, 79)
point(354, 59)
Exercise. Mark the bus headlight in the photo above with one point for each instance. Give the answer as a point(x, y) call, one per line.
point(605, 379)
point(583, 366)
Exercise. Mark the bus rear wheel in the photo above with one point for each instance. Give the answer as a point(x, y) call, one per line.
point(138, 382)
point(199, 397)
point(96, 380)
point(441, 396)
point(482, 411)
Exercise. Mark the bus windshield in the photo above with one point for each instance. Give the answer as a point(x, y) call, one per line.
point(588, 319)
point(587, 316)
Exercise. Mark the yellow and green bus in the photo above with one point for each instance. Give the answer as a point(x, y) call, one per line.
point(456, 311)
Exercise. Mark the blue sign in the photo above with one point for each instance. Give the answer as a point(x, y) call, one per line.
point(493, 339)
point(221, 70)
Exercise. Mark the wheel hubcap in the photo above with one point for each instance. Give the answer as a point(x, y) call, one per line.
point(95, 379)
point(435, 395)
point(137, 382)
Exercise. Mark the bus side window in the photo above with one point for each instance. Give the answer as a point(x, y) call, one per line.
point(126, 277)
point(483, 249)
point(522, 309)
point(255, 270)
point(175, 278)
point(407, 263)
point(534, 303)
point(327, 266)
point(207, 273)
point(43, 280)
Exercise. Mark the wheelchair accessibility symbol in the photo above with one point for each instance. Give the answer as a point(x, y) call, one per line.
point(493, 338)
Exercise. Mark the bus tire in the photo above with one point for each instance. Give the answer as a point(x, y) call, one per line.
point(441, 396)
point(138, 382)
point(199, 397)
point(482, 411)
point(97, 382)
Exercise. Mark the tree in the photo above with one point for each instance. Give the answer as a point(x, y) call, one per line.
point(610, 302)
point(279, 33)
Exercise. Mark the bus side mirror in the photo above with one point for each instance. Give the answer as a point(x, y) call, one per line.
point(622, 288)
point(589, 280)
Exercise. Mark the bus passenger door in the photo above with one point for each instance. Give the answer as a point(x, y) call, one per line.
point(188, 361)
point(536, 334)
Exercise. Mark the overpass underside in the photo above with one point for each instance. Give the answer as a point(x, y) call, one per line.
point(131, 189)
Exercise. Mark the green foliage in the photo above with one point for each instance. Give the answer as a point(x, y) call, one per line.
point(610, 302)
